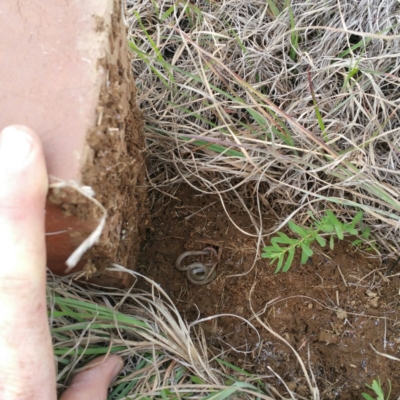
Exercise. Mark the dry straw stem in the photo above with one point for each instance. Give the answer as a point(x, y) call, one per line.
point(227, 91)
point(164, 357)
point(310, 378)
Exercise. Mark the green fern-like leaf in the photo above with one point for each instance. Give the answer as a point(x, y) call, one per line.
point(283, 248)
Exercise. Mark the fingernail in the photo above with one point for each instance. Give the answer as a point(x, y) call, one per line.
point(15, 146)
point(118, 368)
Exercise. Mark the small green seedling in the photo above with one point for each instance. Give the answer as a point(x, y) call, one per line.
point(377, 388)
point(283, 247)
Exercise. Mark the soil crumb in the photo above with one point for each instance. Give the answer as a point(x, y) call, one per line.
point(331, 310)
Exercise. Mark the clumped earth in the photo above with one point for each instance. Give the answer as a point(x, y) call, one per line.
point(334, 311)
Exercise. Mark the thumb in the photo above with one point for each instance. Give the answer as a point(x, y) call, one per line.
point(94, 380)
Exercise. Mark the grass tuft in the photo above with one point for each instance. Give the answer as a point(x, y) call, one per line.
point(165, 358)
point(296, 102)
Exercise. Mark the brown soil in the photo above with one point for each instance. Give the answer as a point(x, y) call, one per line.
point(335, 307)
point(108, 153)
point(115, 163)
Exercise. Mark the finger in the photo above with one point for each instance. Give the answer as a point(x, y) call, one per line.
point(26, 361)
point(93, 383)
point(23, 186)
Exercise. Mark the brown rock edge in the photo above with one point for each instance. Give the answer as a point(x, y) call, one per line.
point(65, 72)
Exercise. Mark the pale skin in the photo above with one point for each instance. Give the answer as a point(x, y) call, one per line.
point(27, 369)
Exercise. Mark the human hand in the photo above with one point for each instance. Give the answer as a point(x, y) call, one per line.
point(27, 368)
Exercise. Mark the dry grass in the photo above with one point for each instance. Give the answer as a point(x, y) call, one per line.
point(165, 358)
point(292, 105)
